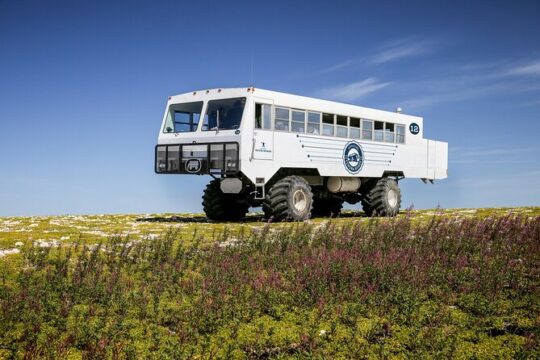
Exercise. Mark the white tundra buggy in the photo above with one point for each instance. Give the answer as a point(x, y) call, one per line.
point(295, 156)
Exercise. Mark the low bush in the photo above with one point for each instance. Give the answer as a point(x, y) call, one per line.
point(445, 288)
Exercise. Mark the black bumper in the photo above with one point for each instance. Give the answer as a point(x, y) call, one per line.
point(197, 158)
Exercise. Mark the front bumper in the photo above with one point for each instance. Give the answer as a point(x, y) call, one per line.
point(198, 159)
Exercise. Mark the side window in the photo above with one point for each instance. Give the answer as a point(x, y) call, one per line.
point(367, 130)
point(183, 117)
point(263, 116)
point(298, 121)
point(314, 123)
point(258, 116)
point(267, 116)
point(281, 122)
point(341, 126)
point(354, 128)
point(379, 131)
point(328, 124)
point(400, 134)
point(389, 132)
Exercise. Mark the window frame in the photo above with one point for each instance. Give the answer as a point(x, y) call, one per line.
point(282, 119)
point(404, 127)
point(328, 124)
point(319, 122)
point(387, 132)
point(295, 121)
point(371, 130)
point(338, 127)
point(263, 106)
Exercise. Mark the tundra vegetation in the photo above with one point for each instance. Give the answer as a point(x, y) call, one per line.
point(427, 284)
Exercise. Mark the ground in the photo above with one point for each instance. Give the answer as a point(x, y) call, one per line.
point(459, 283)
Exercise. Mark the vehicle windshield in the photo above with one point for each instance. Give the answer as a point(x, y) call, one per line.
point(183, 117)
point(224, 114)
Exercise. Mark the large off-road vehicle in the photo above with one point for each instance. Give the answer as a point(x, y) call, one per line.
point(295, 156)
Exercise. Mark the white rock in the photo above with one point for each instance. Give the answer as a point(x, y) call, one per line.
point(9, 252)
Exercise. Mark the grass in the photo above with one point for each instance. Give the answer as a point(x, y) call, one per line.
point(458, 283)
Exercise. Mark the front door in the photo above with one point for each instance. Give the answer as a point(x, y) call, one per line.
point(263, 136)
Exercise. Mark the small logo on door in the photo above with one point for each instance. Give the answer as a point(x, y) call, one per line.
point(193, 166)
point(262, 148)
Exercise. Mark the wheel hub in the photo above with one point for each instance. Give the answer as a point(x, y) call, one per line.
point(392, 197)
point(299, 200)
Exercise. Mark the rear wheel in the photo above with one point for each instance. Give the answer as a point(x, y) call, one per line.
point(381, 197)
point(326, 207)
point(220, 206)
point(289, 199)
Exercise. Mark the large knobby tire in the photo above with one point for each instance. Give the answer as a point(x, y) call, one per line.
point(381, 197)
point(289, 199)
point(326, 207)
point(222, 207)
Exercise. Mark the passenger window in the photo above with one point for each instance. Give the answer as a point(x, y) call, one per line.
point(400, 134)
point(354, 128)
point(298, 123)
point(367, 130)
point(341, 126)
point(328, 124)
point(389, 132)
point(262, 116)
point(314, 123)
point(267, 116)
point(258, 116)
point(281, 122)
point(379, 131)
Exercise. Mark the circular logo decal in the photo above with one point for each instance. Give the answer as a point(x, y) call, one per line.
point(414, 128)
point(193, 165)
point(353, 157)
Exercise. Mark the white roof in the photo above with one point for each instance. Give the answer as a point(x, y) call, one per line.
point(298, 102)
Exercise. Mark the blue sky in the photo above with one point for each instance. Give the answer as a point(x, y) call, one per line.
point(83, 86)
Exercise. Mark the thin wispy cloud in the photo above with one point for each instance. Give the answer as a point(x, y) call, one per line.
point(400, 49)
point(473, 155)
point(341, 65)
point(477, 152)
point(459, 93)
point(352, 91)
point(527, 179)
point(529, 69)
point(391, 51)
point(502, 68)
point(473, 81)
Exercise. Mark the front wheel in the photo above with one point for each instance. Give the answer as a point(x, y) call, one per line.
point(381, 197)
point(289, 199)
point(220, 206)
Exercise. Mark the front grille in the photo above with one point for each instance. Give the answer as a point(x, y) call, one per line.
point(208, 158)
